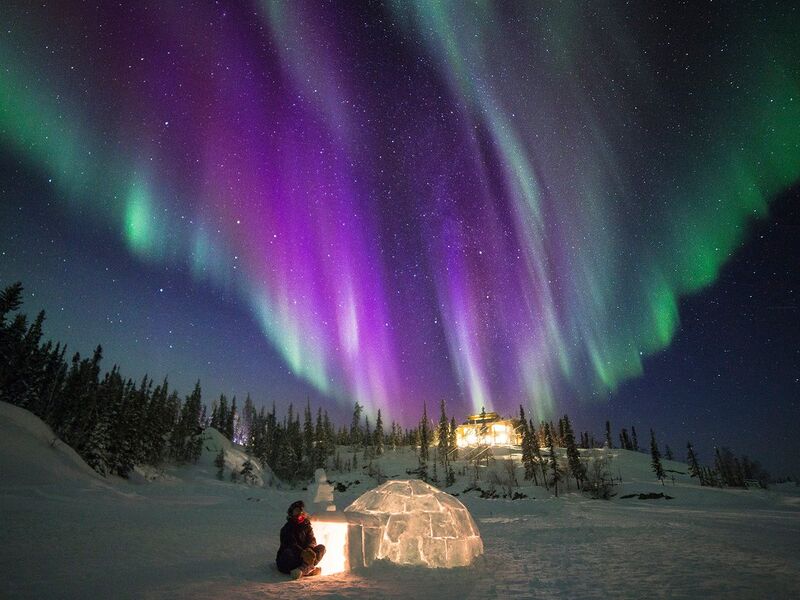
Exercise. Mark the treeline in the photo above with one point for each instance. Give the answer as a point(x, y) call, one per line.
point(728, 470)
point(115, 423)
point(111, 421)
point(545, 468)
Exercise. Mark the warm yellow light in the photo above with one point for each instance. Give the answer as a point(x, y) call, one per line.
point(333, 535)
point(490, 434)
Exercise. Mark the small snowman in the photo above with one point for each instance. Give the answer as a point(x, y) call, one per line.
point(321, 494)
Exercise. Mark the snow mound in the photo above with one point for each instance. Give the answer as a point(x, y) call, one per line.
point(235, 458)
point(412, 523)
point(31, 454)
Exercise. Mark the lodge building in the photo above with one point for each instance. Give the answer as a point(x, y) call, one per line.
point(487, 428)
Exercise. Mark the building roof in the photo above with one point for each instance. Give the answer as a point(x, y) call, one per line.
point(488, 417)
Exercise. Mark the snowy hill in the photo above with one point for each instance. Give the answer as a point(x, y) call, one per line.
point(235, 458)
point(213, 441)
point(68, 533)
point(31, 454)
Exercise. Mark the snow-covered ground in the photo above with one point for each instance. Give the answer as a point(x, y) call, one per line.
point(68, 533)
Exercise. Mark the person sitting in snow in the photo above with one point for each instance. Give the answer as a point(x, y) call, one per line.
point(299, 553)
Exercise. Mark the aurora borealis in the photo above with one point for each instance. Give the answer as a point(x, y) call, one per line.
point(499, 203)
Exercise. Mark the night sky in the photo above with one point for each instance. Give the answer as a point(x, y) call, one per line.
point(581, 207)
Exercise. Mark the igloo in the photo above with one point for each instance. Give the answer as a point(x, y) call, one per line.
point(412, 523)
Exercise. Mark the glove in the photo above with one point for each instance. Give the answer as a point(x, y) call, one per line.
point(308, 556)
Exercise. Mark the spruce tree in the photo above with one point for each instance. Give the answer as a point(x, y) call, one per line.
point(694, 464)
point(423, 470)
point(258, 436)
point(738, 472)
point(96, 452)
point(272, 437)
point(655, 458)
point(424, 434)
point(343, 436)
point(528, 459)
point(668, 452)
point(537, 453)
point(214, 420)
point(555, 470)
point(634, 439)
point(10, 300)
point(378, 435)
point(367, 440)
point(154, 432)
point(453, 433)
point(137, 426)
point(247, 472)
point(122, 453)
point(219, 462)
point(308, 436)
point(720, 468)
point(728, 467)
point(608, 435)
point(329, 434)
point(294, 437)
point(282, 463)
point(247, 423)
point(230, 423)
point(443, 435)
point(450, 477)
point(624, 440)
point(185, 441)
point(576, 466)
point(554, 435)
point(320, 448)
point(355, 428)
point(711, 477)
point(222, 414)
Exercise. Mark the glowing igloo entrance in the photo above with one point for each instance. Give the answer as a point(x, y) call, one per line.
point(412, 523)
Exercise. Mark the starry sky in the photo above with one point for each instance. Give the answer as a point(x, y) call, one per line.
point(582, 207)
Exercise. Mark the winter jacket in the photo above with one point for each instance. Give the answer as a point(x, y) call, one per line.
point(295, 537)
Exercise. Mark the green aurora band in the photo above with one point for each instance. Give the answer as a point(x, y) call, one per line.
point(604, 173)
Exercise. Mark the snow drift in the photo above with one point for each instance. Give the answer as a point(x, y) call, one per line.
point(31, 454)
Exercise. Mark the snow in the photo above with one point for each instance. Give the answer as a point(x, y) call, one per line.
point(320, 496)
point(67, 533)
point(32, 454)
